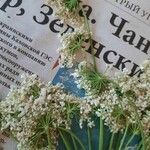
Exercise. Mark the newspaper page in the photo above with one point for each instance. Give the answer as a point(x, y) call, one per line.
point(29, 30)
point(27, 42)
point(121, 31)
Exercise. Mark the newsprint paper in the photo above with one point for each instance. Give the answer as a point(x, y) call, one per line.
point(29, 43)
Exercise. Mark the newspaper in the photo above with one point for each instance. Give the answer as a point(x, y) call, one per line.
point(29, 31)
point(27, 45)
point(121, 33)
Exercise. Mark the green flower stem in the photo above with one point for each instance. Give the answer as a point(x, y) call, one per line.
point(73, 135)
point(140, 125)
point(48, 139)
point(123, 138)
point(101, 135)
point(89, 31)
point(117, 142)
point(130, 140)
point(65, 141)
point(111, 141)
point(89, 138)
point(74, 143)
point(143, 136)
point(139, 146)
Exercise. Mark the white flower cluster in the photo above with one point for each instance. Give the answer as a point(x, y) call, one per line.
point(125, 100)
point(72, 43)
point(67, 16)
point(25, 109)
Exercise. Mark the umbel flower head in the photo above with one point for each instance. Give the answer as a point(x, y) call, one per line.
point(67, 11)
point(72, 44)
point(35, 111)
point(120, 102)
